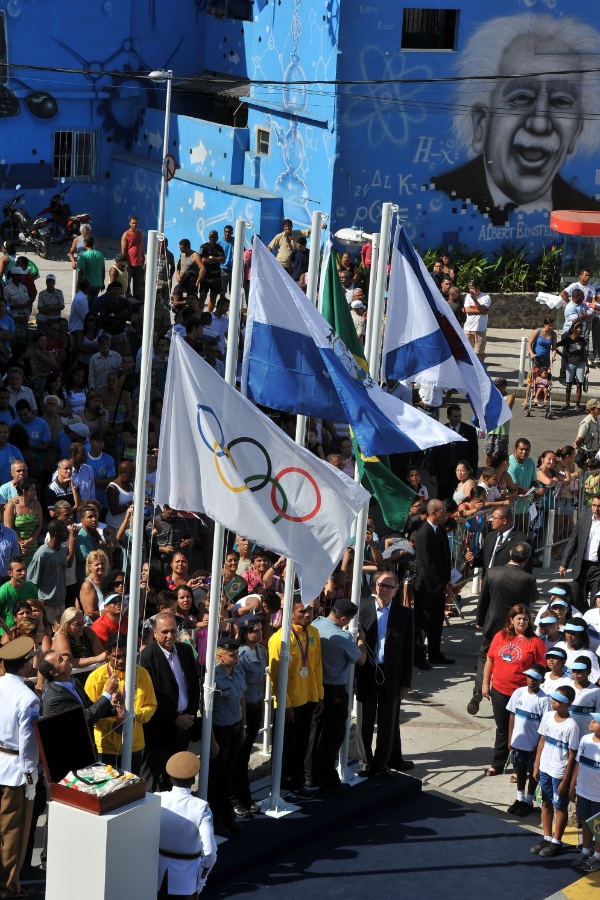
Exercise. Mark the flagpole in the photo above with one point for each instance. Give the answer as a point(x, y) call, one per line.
point(371, 298)
point(274, 805)
point(382, 264)
point(139, 497)
point(216, 576)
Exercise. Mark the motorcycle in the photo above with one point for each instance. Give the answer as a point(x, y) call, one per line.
point(60, 221)
point(19, 227)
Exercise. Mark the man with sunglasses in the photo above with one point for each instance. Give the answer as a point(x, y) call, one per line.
point(19, 756)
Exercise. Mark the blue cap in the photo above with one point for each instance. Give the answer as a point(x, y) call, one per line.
point(595, 717)
point(558, 602)
point(557, 590)
point(533, 674)
point(557, 653)
point(548, 620)
point(571, 627)
point(556, 695)
point(580, 666)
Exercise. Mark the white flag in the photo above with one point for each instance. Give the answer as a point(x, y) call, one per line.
point(221, 456)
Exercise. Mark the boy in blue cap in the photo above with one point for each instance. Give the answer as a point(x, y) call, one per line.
point(585, 783)
point(587, 695)
point(527, 705)
point(553, 768)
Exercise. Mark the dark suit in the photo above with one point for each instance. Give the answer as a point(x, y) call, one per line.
point(468, 182)
point(432, 558)
point(503, 586)
point(444, 460)
point(378, 686)
point(502, 555)
point(585, 574)
point(58, 698)
point(162, 736)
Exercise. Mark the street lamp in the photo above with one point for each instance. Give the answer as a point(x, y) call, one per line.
point(160, 76)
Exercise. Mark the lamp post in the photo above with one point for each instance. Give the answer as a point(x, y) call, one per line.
point(160, 76)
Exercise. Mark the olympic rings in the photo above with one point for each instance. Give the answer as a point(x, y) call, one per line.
point(280, 504)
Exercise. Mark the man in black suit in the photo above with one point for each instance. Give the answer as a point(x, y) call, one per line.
point(499, 541)
point(175, 723)
point(386, 675)
point(503, 586)
point(64, 692)
point(432, 585)
point(582, 549)
point(444, 459)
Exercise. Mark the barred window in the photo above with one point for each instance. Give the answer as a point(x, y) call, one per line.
point(429, 29)
point(75, 155)
point(263, 141)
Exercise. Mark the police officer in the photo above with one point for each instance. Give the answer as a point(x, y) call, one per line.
point(229, 728)
point(19, 756)
point(339, 651)
point(187, 843)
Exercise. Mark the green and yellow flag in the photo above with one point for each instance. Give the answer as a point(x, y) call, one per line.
point(394, 497)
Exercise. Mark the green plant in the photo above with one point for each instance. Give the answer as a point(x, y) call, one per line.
point(510, 270)
point(547, 269)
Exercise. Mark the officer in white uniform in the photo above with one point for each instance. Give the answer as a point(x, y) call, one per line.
point(187, 842)
point(19, 757)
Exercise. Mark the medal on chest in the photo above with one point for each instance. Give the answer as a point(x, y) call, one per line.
point(303, 653)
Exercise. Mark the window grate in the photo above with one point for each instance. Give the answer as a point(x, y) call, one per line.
point(429, 29)
point(75, 155)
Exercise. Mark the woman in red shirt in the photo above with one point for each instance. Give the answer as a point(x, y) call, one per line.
point(511, 652)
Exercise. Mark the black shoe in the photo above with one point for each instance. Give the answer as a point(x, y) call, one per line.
point(441, 660)
point(241, 811)
point(222, 831)
point(523, 809)
point(235, 827)
point(254, 808)
point(382, 770)
point(302, 793)
point(513, 808)
point(551, 849)
point(363, 771)
point(423, 664)
point(401, 765)
point(473, 704)
point(537, 848)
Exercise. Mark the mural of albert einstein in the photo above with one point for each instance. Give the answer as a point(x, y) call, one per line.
point(526, 104)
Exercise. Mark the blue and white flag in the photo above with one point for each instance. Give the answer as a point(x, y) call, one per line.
point(294, 361)
point(424, 342)
point(221, 456)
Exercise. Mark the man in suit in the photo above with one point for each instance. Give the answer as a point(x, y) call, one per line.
point(64, 692)
point(385, 678)
point(521, 137)
point(175, 723)
point(432, 585)
point(503, 586)
point(499, 541)
point(582, 549)
point(444, 459)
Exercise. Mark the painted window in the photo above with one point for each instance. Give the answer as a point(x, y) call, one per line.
point(75, 155)
point(429, 29)
point(263, 141)
point(231, 9)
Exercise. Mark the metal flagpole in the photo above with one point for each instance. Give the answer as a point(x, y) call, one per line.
point(139, 496)
point(382, 264)
point(371, 299)
point(274, 805)
point(219, 533)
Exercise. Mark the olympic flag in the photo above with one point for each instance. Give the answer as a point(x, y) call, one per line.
point(221, 456)
point(294, 360)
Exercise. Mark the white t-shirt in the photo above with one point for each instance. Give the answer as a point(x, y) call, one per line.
point(477, 321)
point(592, 617)
point(587, 701)
point(588, 776)
point(560, 738)
point(528, 710)
point(572, 656)
point(553, 684)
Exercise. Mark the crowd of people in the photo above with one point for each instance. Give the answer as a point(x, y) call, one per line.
point(68, 418)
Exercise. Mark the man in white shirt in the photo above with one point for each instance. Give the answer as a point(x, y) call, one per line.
point(79, 307)
point(477, 305)
point(102, 363)
point(17, 391)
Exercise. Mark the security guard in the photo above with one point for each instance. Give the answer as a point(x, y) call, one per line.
point(229, 728)
point(187, 843)
point(19, 757)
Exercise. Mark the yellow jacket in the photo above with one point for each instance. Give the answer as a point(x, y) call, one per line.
point(107, 739)
point(299, 690)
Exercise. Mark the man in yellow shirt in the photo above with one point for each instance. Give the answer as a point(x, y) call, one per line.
point(304, 694)
point(108, 733)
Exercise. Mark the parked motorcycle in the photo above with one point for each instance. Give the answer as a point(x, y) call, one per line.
point(60, 221)
point(18, 226)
